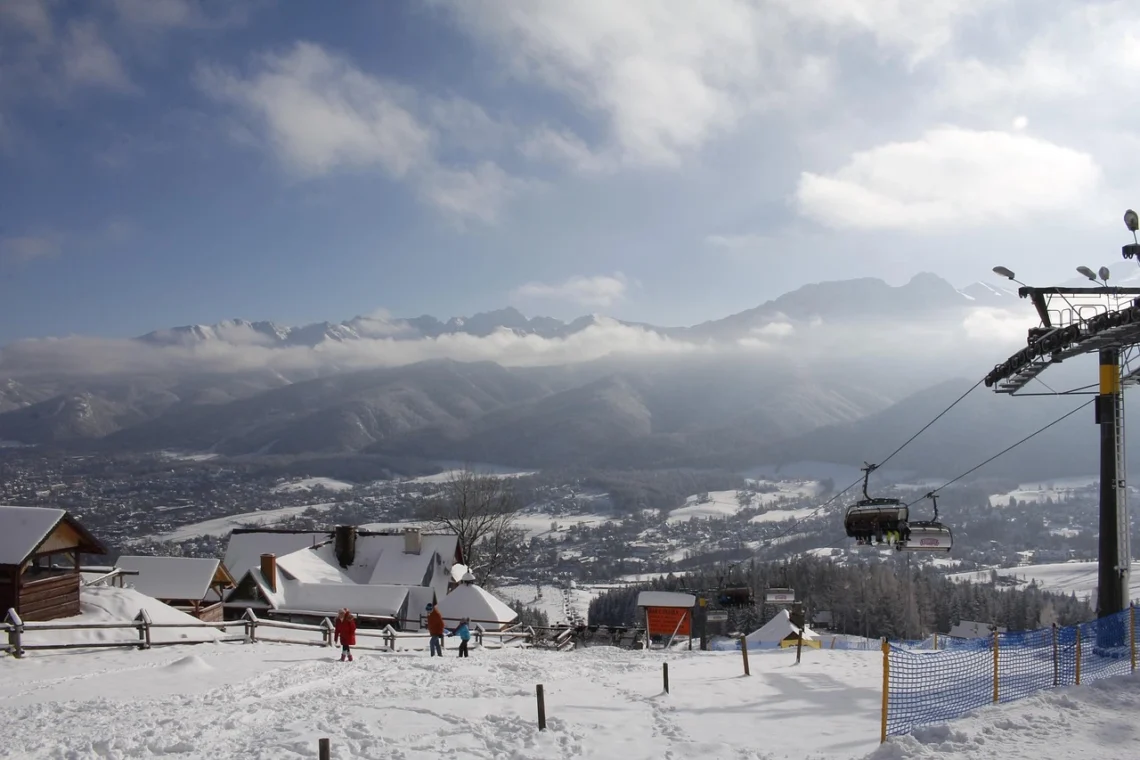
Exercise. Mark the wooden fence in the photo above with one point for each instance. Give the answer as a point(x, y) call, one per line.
point(253, 629)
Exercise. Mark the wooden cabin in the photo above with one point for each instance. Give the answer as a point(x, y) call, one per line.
point(195, 585)
point(40, 550)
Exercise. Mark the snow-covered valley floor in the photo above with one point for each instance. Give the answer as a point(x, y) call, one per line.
point(274, 701)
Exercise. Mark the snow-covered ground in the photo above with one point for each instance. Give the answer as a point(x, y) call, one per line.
point(1096, 721)
point(223, 526)
point(187, 457)
point(1063, 577)
point(491, 470)
point(727, 503)
point(534, 523)
point(273, 701)
point(1059, 489)
point(309, 484)
point(561, 605)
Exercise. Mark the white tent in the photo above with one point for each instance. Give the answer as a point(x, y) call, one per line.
point(777, 629)
point(478, 605)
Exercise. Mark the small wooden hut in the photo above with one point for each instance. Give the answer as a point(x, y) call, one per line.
point(40, 551)
point(195, 585)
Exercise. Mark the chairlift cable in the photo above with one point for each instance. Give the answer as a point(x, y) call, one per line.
point(1004, 451)
point(910, 440)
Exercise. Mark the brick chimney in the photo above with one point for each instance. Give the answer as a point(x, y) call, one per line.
point(413, 541)
point(269, 570)
point(345, 544)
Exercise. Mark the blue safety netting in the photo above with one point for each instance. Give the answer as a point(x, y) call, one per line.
point(931, 686)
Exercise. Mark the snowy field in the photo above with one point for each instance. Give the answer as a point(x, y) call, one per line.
point(535, 524)
point(273, 701)
point(308, 484)
point(1059, 489)
point(1078, 578)
point(727, 503)
point(560, 605)
point(482, 469)
point(223, 526)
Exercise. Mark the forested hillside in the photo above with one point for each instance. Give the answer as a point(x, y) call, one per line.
point(869, 600)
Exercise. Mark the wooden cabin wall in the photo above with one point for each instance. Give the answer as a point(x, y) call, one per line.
point(49, 598)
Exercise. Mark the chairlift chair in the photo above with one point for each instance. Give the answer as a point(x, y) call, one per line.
point(869, 520)
point(926, 535)
point(735, 596)
point(780, 596)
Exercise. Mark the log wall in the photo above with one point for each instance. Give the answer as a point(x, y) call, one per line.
point(49, 598)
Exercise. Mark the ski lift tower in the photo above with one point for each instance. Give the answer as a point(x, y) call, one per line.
point(1077, 321)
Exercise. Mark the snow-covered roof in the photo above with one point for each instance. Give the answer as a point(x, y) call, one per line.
point(24, 529)
point(777, 629)
point(476, 603)
point(665, 599)
point(383, 579)
point(245, 548)
point(171, 577)
point(383, 601)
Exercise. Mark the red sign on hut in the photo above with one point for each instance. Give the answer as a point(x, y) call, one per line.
point(667, 613)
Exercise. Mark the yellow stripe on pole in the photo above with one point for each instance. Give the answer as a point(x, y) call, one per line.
point(1109, 378)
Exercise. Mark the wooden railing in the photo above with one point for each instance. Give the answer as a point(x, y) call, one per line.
point(252, 630)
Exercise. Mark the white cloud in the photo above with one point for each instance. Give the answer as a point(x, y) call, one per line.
point(87, 59)
point(30, 247)
point(667, 76)
point(918, 30)
point(951, 176)
point(974, 340)
point(478, 193)
point(321, 114)
point(600, 291)
point(747, 242)
point(30, 15)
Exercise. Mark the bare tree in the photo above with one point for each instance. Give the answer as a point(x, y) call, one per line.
point(481, 510)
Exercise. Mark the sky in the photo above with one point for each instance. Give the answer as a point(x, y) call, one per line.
point(169, 162)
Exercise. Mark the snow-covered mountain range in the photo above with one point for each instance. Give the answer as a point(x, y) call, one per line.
point(864, 298)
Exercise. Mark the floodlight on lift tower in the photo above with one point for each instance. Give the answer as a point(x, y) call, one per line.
point(1068, 331)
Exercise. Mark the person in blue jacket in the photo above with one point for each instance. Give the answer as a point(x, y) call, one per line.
point(463, 631)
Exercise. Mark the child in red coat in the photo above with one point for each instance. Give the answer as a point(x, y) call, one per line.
point(345, 632)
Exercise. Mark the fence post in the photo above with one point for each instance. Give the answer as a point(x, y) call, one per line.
point(1132, 633)
point(1056, 660)
point(250, 625)
point(541, 707)
point(886, 690)
point(15, 632)
point(744, 651)
point(1078, 654)
point(997, 692)
point(936, 639)
point(324, 751)
point(799, 645)
point(479, 634)
point(143, 621)
point(665, 675)
point(327, 631)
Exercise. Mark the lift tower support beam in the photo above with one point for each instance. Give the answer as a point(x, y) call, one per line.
point(1066, 333)
point(1114, 548)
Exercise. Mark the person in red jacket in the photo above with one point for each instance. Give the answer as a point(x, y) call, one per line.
point(345, 633)
point(436, 629)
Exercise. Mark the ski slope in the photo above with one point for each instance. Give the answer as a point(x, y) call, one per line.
point(273, 701)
